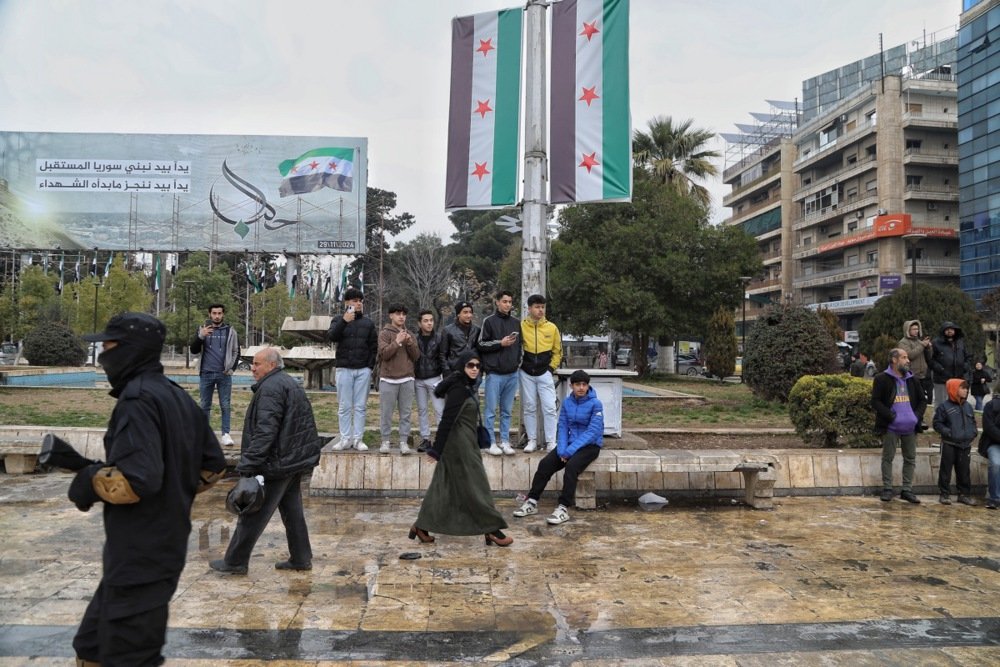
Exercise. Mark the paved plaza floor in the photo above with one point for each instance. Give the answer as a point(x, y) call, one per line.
point(816, 581)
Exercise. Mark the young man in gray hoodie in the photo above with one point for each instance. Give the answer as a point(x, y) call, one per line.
point(918, 347)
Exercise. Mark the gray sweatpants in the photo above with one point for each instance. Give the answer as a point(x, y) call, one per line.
point(392, 395)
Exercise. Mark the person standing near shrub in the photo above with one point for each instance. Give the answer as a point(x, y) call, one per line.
point(949, 359)
point(956, 422)
point(989, 448)
point(981, 379)
point(899, 403)
point(918, 348)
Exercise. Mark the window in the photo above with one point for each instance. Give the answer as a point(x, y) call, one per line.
point(872, 185)
point(872, 256)
point(852, 227)
point(913, 144)
point(852, 293)
point(913, 181)
point(873, 290)
point(915, 109)
point(852, 159)
point(852, 192)
point(852, 260)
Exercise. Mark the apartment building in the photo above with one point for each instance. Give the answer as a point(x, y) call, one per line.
point(862, 185)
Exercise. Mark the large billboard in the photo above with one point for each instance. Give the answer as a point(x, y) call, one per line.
point(175, 192)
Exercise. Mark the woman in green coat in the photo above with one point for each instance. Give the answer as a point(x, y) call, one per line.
point(459, 500)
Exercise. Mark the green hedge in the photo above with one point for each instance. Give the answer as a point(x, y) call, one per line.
point(833, 410)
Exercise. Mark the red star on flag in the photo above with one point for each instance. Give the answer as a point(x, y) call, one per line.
point(313, 165)
point(589, 161)
point(332, 165)
point(485, 46)
point(480, 170)
point(589, 29)
point(589, 95)
point(483, 108)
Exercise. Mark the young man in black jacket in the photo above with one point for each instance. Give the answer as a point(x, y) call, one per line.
point(280, 445)
point(899, 403)
point(500, 351)
point(428, 371)
point(357, 345)
point(460, 335)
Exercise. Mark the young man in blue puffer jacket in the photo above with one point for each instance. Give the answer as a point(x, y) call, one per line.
point(580, 436)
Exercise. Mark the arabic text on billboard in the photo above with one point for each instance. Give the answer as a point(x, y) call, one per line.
point(168, 192)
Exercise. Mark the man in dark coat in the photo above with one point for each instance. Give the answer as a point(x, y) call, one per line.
point(279, 445)
point(899, 402)
point(357, 345)
point(949, 359)
point(160, 452)
point(460, 335)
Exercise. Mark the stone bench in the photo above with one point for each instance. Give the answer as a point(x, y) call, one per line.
point(19, 454)
point(758, 471)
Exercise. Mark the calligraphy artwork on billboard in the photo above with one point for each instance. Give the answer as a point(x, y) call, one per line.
point(170, 192)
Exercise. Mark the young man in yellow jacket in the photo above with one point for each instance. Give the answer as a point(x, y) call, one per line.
point(542, 353)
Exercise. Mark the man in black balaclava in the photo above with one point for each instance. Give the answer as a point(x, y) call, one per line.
point(160, 452)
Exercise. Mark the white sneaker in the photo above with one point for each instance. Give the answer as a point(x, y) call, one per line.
point(494, 450)
point(225, 440)
point(528, 508)
point(559, 516)
point(507, 449)
point(550, 446)
point(530, 447)
point(385, 448)
point(342, 444)
point(404, 448)
point(360, 446)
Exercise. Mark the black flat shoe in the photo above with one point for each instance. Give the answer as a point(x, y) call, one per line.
point(499, 539)
point(424, 536)
point(289, 565)
point(222, 566)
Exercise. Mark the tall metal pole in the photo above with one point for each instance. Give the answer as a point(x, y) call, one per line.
point(96, 296)
point(187, 348)
point(744, 281)
point(534, 252)
point(911, 242)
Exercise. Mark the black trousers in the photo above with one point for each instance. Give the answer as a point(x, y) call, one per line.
point(125, 625)
point(927, 384)
point(551, 463)
point(284, 495)
point(958, 458)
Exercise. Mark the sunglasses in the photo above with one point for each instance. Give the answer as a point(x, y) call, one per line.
point(472, 364)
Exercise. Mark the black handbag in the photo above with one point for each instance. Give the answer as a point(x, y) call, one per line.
point(482, 433)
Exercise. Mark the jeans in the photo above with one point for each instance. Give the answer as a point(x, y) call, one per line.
point(285, 495)
point(535, 389)
point(979, 403)
point(909, 445)
point(551, 463)
point(352, 401)
point(958, 458)
point(425, 397)
point(500, 391)
point(993, 474)
point(395, 395)
point(209, 380)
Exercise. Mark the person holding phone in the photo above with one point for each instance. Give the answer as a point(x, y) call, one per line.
point(501, 356)
point(357, 344)
point(219, 347)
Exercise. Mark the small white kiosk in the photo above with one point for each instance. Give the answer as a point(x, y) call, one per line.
point(608, 384)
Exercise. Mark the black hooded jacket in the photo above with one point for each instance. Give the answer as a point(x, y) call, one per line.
point(279, 431)
point(949, 358)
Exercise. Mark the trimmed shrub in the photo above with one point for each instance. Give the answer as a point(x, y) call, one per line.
point(53, 344)
point(833, 410)
point(785, 343)
point(720, 344)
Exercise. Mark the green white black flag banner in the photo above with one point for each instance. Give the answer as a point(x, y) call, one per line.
point(590, 154)
point(484, 112)
point(319, 168)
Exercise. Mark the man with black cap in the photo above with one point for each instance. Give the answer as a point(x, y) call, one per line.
point(579, 439)
point(160, 452)
point(460, 335)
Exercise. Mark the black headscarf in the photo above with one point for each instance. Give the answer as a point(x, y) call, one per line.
point(458, 375)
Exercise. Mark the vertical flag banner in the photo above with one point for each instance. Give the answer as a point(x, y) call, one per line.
point(484, 112)
point(590, 154)
point(156, 275)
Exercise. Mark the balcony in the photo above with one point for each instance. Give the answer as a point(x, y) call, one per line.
point(931, 156)
point(836, 275)
point(743, 190)
point(866, 163)
point(931, 191)
point(935, 121)
point(844, 140)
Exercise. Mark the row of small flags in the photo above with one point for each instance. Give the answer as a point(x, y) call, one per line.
point(313, 280)
point(75, 276)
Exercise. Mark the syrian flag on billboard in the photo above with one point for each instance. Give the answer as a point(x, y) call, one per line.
point(484, 110)
point(590, 156)
point(319, 168)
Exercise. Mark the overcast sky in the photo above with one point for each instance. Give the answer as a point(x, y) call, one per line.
point(380, 68)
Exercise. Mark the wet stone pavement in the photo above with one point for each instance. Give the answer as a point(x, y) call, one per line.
point(816, 581)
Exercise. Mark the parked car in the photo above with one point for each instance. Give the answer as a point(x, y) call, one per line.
point(690, 365)
point(623, 357)
point(8, 354)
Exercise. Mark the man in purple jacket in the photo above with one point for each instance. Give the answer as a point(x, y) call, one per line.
point(899, 403)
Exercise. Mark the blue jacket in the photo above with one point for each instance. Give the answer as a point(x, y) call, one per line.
point(581, 423)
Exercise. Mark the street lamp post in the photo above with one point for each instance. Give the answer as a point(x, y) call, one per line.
point(744, 281)
point(187, 348)
point(911, 241)
point(94, 345)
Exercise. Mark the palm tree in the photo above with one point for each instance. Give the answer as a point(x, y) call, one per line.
point(676, 155)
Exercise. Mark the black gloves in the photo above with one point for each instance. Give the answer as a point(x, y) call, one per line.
point(81, 489)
